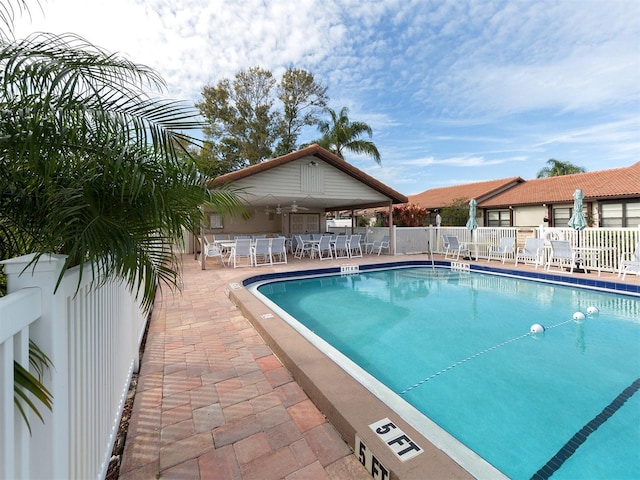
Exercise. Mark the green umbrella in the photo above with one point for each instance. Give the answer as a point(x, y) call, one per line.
point(471, 223)
point(577, 220)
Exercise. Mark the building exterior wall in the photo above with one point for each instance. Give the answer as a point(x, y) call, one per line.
point(301, 179)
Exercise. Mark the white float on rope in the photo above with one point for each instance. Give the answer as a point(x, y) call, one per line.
point(592, 310)
point(577, 316)
point(537, 328)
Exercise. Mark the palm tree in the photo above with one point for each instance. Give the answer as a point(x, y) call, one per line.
point(340, 134)
point(90, 166)
point(556, 168)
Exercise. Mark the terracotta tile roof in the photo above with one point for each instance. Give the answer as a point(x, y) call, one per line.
point(322, 154)
point(440, 197)
point(614, 183)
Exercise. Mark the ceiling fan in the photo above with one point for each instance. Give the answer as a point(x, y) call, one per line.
point(293, 208)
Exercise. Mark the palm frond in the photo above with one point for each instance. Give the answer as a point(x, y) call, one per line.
point(26, 384)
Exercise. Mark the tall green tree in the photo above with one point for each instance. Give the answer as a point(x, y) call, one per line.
point(556, 168)
point(253, 118)
point(90, 165)
point(339, 134)
point(240, 116)
point(303, 100)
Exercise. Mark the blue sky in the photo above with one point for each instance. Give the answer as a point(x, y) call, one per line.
point(456, 91)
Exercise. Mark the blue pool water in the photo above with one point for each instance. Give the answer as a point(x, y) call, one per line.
point(457, 346)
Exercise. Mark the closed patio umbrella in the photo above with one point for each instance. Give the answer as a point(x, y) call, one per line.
point(577, 220)
point(472, 224)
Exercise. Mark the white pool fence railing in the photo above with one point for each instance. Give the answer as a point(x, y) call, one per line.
point(415, 240)
point(92, 335)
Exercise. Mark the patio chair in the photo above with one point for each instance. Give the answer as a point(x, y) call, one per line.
point(381, 245)
point(341, 247)
point(211, 250)
point(322, 248)
point(532, 252)
point(629, 262)
point(242, 250)
point(452, 245)
point(302, 248)
point(355, 249)
point(261, 252)
point(562, 255)
point(279, 250)
point(505, 247)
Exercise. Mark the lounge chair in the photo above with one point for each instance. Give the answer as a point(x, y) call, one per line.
point(629, 262)
point(505, 247)
point(242, 250)
point(452, 245)
point(261, 252)
point(279, 250)
point(380, 245)
point(562, 255)
point(355, 249)
point(532, 252)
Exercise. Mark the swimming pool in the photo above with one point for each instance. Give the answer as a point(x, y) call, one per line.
point(476, 372)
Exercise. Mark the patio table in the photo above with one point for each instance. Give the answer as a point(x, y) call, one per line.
point(591, 257)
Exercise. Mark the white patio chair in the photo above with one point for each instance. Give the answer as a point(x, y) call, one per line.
point(279, 250)
point(302, 248)
point(532, 252)
point(451, 245)
point(261, 252)
point(629, 262)
point(341, 247)
point(355, 249)
point(381, 245)
point(242, 250)
point(211, 250)
point(562, 255)
point(323, 248)
point(505, 248)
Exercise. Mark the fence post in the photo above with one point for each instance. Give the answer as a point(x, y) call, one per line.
point(49, 443)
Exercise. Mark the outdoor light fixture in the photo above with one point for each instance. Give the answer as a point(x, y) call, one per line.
point(294, 207)
point(313, 163)
point(278, 210)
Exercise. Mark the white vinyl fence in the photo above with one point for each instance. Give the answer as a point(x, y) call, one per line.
point(93, 339)
point(412, 240)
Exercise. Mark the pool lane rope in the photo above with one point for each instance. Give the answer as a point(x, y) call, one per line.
point(457, 364)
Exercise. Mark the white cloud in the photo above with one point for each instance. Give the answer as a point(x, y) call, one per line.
point(446, 85)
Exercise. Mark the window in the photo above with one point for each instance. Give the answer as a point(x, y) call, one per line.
point(561, 216)
point(498, 218)
point(622, 214)
point(215, 221)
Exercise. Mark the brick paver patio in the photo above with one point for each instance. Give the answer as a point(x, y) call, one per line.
point(213, 402)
